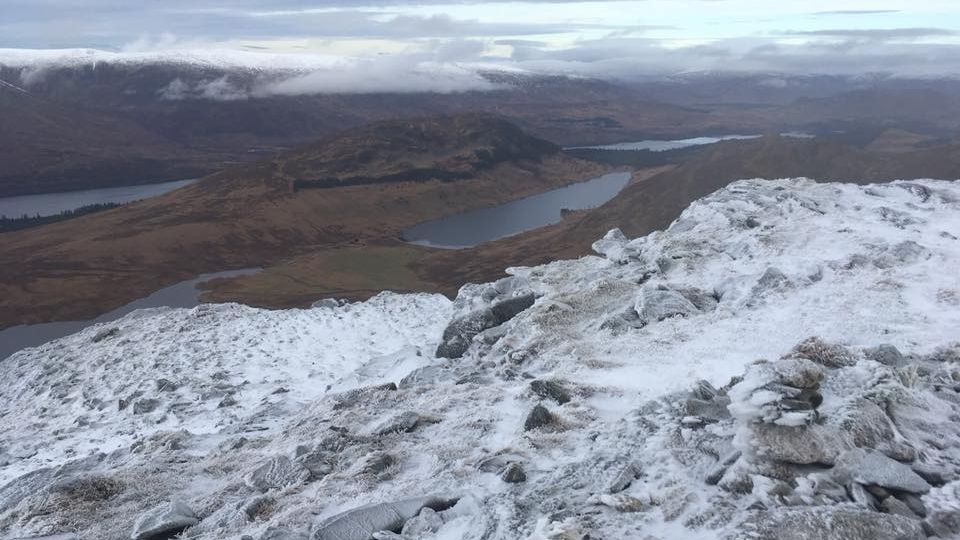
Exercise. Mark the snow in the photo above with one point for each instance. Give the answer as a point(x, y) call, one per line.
point(208, 352)
point(768, 263)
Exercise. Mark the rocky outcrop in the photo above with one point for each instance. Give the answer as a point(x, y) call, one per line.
point(164, 521)
point(482, 310)
point(361, 523)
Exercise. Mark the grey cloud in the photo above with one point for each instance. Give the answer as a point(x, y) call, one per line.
point(876, 33)
point(856, 12)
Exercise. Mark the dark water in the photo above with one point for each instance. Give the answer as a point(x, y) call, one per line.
point(486, 224)
point(48, 204)
point(183, 294)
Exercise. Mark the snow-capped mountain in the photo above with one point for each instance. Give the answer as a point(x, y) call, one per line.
point(782, 362)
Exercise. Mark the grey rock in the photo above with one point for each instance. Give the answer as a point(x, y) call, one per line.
point(144, 406)
point(659, 303)
point(36, 481)
point(426, 522)
point(513, 474)
point(908, 251)
point(511, 307)
point(282, 533)
point(318, 461)
point(459, 333)
point(798, 372)
point(326, 303)
point(945, 523)
point(934, 475)
point(720, 469)
point(866, 422)
point(820, 523)
point(278, 472)
point(164, 521)
point(550, 390)
point(352, 398)
point(823, 353)
point(861, 496)
point(377, 463)
point(624, 477)
point(873, 468)
point(402, 423)
point(104, 334)
point(713, 410)
point(892, 505)
point(539, 417)
point(804, 445)
point(919, 191)
point(913, 502)
point(424, 375)
point(361, 523)
point(701, 299)
point(886, 354)
point(228, 401)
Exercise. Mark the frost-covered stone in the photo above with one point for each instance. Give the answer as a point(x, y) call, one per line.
point(659, 303)
point(360, 523)
point(278, 472)
point(873, 468)
point(800, 445)
point(164, 521)
point(459, 334)
point(513, 474)
point(550, 390)
point(401, 423)
point(798, 372)
point(818, 523)
point(538, 417)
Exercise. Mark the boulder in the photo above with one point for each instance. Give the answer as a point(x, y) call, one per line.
point(798, 372)
point(804, 445)
point(513, 474)
point(550, 390)
point(869, 467)
point(164, 521)
point(424, 375)
point(426, 522)
point(887, 355)
point(819, 523)
point(892, 505)
point(659, 303)
point(144, 406)
point(402, 423)
point(278, 472)
point(823, 353)
point(459, 334)
point(282, 533)
point(507, 309)
point(539, 417)
point(361, 523)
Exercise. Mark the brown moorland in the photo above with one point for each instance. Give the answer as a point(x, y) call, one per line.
point(360, 188)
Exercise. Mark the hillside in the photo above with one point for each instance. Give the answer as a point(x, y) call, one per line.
point(781, 362)
point(651, 202)
point(46, 146)
point(250, 216)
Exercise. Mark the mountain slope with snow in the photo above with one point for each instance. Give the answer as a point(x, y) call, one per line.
point(614, 396)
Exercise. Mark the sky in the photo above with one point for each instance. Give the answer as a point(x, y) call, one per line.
point(615, 38)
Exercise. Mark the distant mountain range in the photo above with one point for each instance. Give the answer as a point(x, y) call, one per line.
point(79, 124)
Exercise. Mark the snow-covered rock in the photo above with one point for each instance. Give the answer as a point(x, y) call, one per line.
point(782, 362)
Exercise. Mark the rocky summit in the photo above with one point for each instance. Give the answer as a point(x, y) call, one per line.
point(782, 362)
